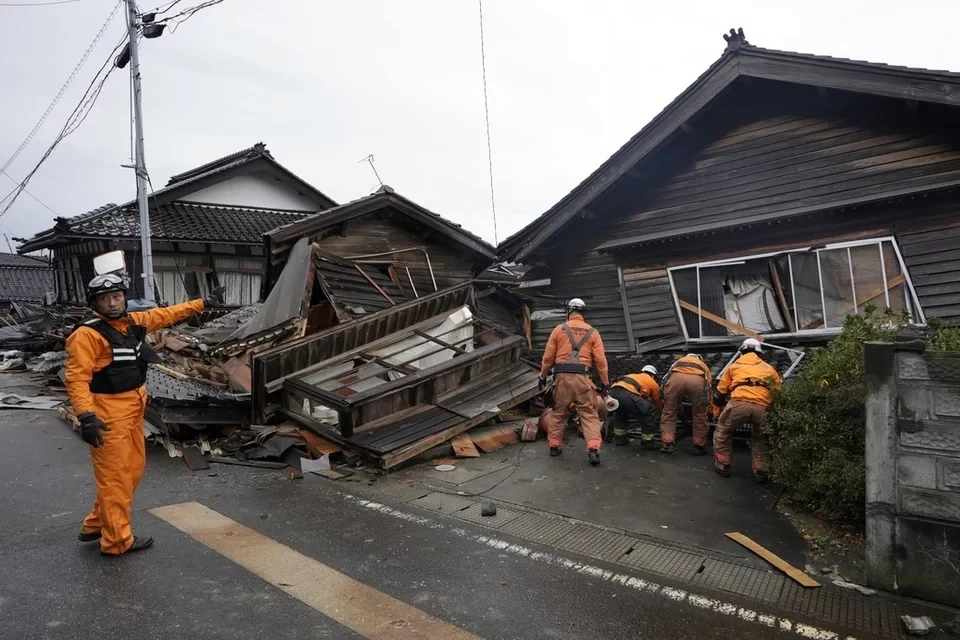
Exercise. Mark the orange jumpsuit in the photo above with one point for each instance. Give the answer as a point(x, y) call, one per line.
point(689, 379)
point(576, 388)
point(643, 403)
point(117, 464)
point(748, 381)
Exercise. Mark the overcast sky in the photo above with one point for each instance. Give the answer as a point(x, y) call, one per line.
point(325, 83)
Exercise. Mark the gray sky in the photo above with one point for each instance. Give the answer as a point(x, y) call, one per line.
point(325, 83)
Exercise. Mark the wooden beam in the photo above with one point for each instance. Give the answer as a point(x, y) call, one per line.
point(374, 284)
point(803, 579)
point(862, 300)
point(440, 342)
point(527, 326)
point(721, 321)
point(778, 287)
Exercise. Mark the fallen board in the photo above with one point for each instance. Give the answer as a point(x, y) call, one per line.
point(490, 440)
point(463, 447)
point(781, 564)
point(318, 446)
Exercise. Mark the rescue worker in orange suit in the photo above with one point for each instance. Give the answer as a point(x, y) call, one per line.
point(688, 379)
point(574, 347)
point(105, 375)
point(744, 389)
point(638, 395)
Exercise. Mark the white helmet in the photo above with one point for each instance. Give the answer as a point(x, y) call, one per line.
point(751, 344)
point(695, 355)
point(576, 304)
point(652, 370)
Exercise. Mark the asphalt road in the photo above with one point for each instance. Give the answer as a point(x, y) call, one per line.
point(54, 587)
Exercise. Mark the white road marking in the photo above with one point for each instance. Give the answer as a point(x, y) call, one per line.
point(368, 612)
point(676, 595)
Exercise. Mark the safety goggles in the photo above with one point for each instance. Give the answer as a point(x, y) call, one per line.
point(107, 280)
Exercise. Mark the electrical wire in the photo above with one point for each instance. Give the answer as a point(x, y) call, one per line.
point(173, 23)
point(66, 84)
point(37, 4)
point(38, 200)
point(486, 111)
point(76, 118)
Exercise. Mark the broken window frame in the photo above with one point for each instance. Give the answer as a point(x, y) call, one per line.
point(911, 300)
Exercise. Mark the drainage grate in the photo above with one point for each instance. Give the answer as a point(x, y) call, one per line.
point(663, 560)
point(745, 581)
point(442, 502)
point(503, 516)
point(537, 528)
point(596, 543)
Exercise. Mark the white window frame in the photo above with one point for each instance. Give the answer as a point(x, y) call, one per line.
point(912, 301)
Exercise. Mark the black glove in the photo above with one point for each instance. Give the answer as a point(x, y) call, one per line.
point(541, 383)
point(215, 299)
point(603, 390)
point(90, 428)
point(720, 399)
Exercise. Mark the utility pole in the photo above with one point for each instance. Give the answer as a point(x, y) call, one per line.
point(139, 163)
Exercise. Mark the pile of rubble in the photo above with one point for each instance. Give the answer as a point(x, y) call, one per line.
point(309, 374)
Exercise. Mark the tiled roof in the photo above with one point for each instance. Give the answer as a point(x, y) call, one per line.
point(15, 260)
point(185, 221)
point(25, 284)
point(220, 163)
point(385, 195)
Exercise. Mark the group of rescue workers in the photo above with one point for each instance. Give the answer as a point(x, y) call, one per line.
point(106, 372)
point(575, 351)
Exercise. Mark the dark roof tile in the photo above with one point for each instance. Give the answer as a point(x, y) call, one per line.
point(15, 260)
point(23, 284)
point(187, 221)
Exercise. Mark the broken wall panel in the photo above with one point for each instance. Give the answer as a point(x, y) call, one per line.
point(270, 367)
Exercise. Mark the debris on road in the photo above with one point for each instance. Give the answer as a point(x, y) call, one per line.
point(918, 625)
point(799, 576)
point(488, 508)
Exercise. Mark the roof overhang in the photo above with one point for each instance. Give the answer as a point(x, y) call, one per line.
point(921, 85)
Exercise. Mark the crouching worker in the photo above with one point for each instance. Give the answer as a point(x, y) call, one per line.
point(573, 349)
point(688, 379)
point(638, 395)
point(744, 393)
point(105, 376)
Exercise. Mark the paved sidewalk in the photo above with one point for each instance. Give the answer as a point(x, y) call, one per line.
point(721, 571)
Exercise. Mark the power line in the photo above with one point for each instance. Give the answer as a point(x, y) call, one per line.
point(15, 181)
point(74, 121)
point(37, 4)
point(186, 13)
point(486, 110)
point(56, 98)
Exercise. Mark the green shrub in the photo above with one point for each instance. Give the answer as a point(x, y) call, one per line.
point(942, 337)
point(817, 422)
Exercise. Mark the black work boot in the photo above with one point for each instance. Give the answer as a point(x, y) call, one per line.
point(699, 450)
point(723, 470)
point(621, 441)
point(668, 447)
point(139, 544)
point(89, 537)
point(594, 457)
point(762, 477)
point(648, 443)
point(554, 452)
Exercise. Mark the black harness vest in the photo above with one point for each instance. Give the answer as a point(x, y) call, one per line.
point(128, 367)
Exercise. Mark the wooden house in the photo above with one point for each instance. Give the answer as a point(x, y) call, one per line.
point(206, 225)
point(777, 194)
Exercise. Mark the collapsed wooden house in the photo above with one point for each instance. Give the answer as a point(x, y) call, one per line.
point(391, 384)
point(777, 194)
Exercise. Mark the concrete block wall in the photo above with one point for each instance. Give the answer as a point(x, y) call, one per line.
point(913, 472)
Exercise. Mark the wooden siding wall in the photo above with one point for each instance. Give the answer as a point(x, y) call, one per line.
point(808, 157)
point(375, 234)
point(652, 310)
